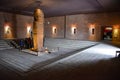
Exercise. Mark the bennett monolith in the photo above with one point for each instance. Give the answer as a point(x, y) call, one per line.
point(38, 30)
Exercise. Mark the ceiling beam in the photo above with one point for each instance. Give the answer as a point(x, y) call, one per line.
point(100, 4)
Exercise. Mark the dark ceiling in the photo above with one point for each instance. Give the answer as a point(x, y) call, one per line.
point(59, 7)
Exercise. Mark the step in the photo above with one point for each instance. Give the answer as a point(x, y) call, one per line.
point(4, 45)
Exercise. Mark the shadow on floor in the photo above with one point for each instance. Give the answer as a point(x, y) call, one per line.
point(113, 43)
point(102, 70)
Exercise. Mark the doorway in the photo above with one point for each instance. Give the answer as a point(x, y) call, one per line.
point(107, 32)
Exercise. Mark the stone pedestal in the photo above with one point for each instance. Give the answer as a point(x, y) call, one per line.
point(38, 30)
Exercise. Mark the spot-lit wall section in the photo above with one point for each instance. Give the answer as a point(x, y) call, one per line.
point(86, 26)
point(7, 25)
point(78, 23)
point(54, 30)
point(14, 25)
point(8, 34)
point(73, 29)
point(92, 31)
point(29, 30)
point(54, 27)
point(24, 26)
point(80, 26)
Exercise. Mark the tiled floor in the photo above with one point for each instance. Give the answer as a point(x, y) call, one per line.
point(90, 64)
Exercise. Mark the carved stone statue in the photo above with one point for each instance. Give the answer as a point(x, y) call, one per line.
point(38, 29)
point(38, 15)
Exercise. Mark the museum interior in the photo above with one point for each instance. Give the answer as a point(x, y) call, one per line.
point(59, 39)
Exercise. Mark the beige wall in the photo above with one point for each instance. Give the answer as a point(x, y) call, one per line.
point(58, 23)
point(22, 23)
point(82, 22)
point(17, 23)
point(63, 25)
point(1, 25)
point(78, 21)
point(7, 19)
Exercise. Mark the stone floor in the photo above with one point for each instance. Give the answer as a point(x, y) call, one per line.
point(92, 63)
